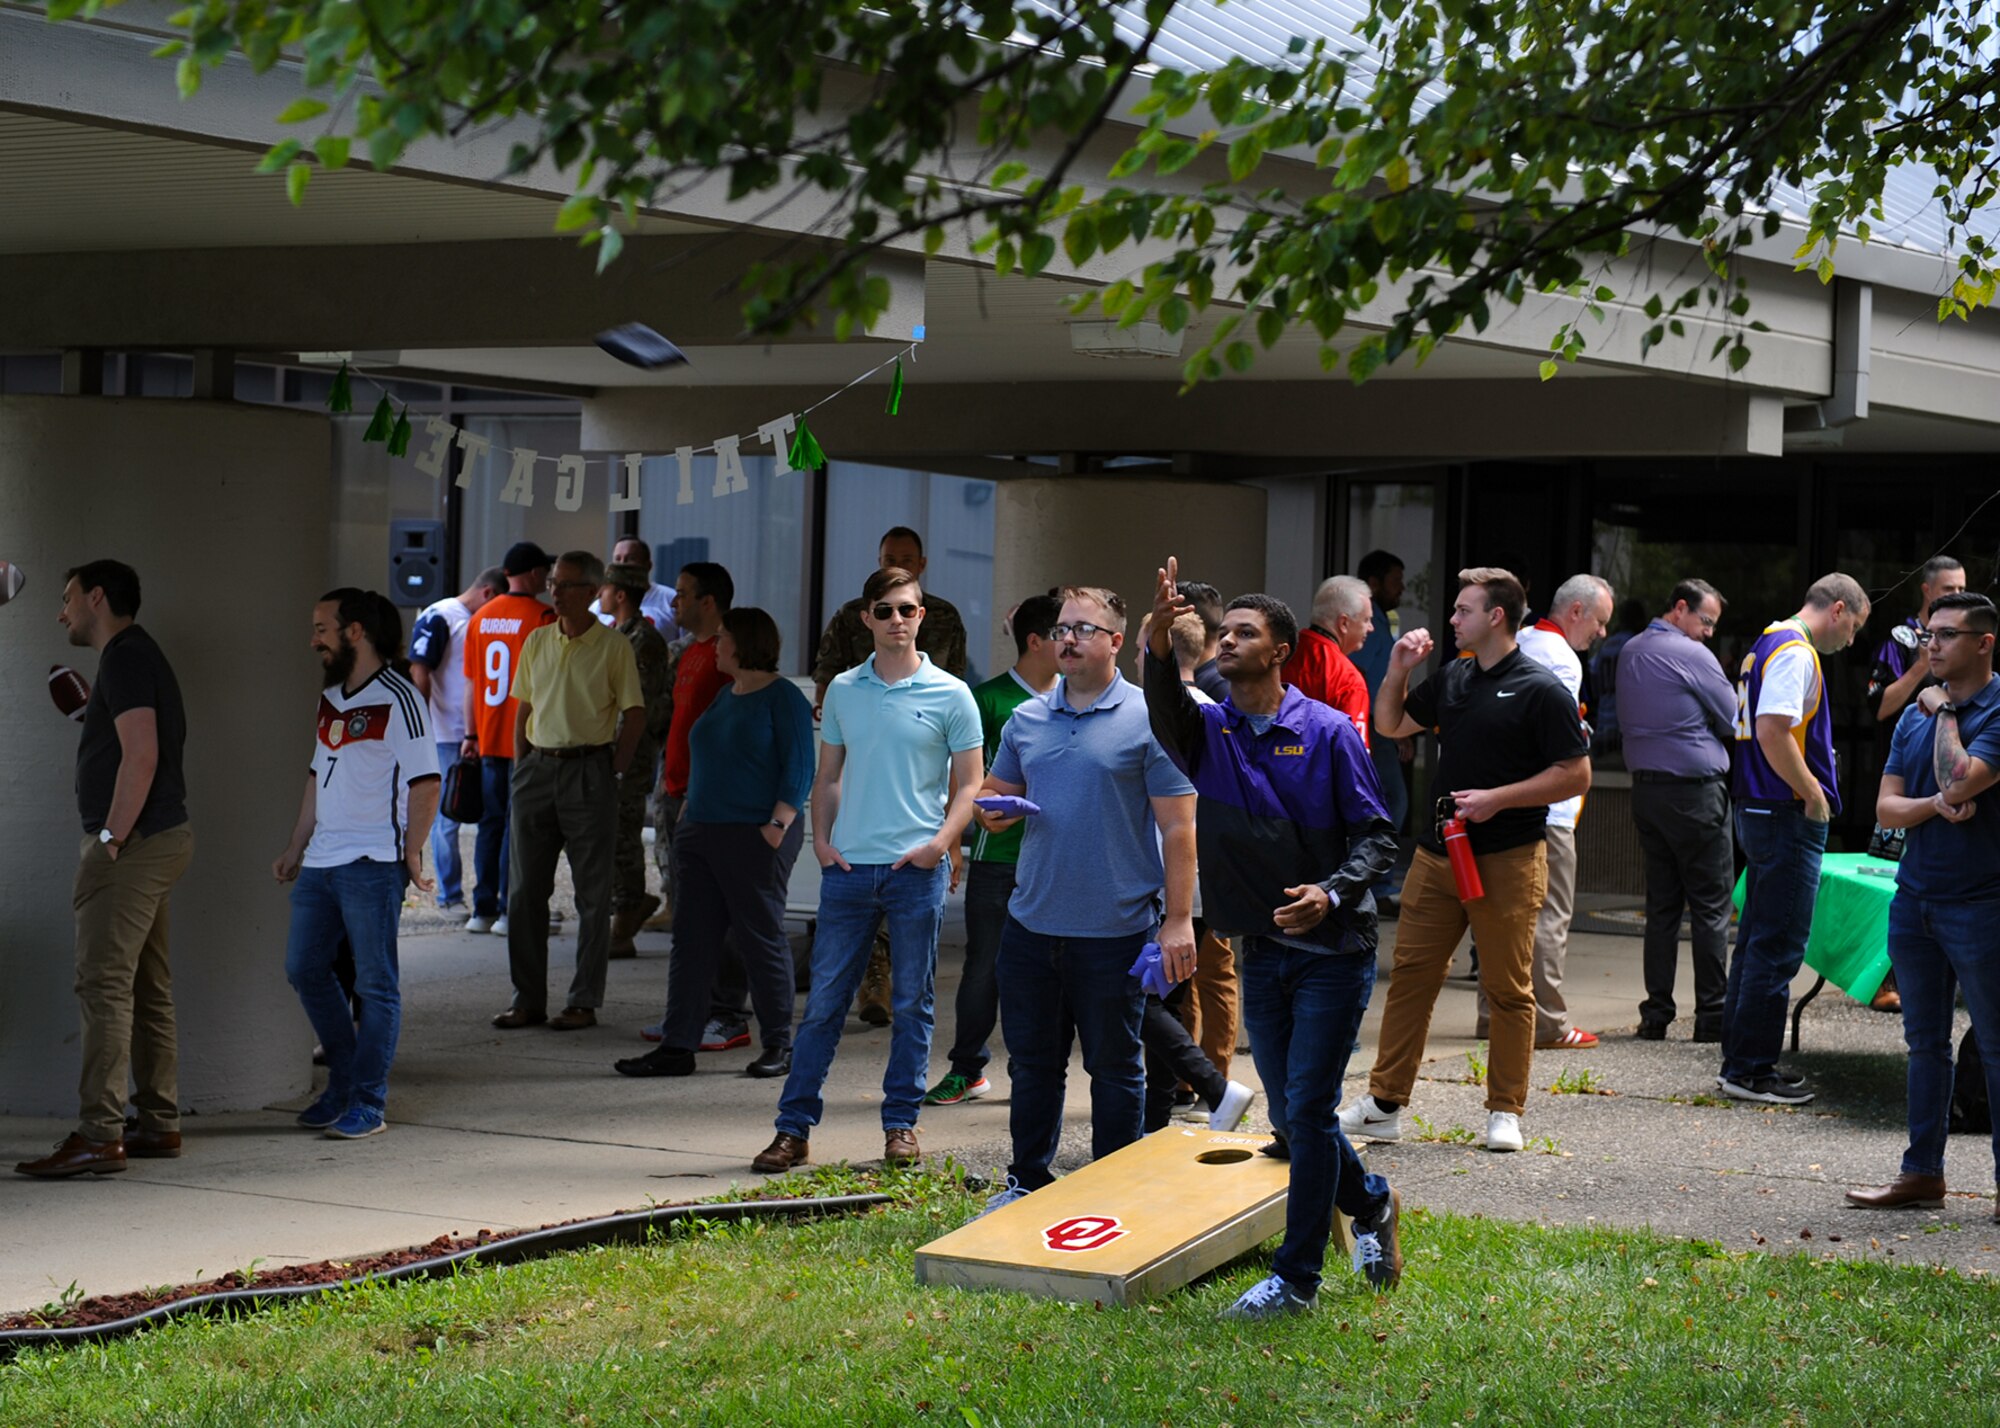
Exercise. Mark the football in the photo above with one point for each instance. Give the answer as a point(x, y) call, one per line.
point(69, 690)
point(11, 581)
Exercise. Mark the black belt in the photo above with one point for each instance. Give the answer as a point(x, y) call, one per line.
point(1648, 776)
point(574, 751)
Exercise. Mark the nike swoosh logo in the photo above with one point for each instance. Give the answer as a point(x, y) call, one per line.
point(1505, 693)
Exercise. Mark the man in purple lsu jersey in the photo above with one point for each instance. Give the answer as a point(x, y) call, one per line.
point(1786, 793)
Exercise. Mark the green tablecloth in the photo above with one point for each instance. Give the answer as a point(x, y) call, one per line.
point(1849, 945)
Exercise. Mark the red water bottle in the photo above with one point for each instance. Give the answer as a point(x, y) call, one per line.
point(1458, 847)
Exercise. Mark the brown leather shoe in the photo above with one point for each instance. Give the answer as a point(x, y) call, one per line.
point(153, 1145)
point(785, 1151)
point(1905, 1192)
point(572, 1019)
point(78, 1155)
point(899, 1147)
point(513, 1019)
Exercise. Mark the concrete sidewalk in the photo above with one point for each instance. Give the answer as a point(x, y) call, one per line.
point(509, 1130)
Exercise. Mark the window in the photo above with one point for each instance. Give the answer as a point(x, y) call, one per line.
point(757, 535)
point(953, 514)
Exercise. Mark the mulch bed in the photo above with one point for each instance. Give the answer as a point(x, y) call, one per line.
point(109, 1308)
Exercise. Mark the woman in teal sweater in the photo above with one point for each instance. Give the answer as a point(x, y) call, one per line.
point(739, 835)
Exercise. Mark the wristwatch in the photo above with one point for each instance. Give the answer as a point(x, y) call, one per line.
point(781, 825)
point(104, 837)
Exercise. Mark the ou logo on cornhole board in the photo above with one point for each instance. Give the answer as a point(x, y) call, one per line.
point(1082, 1232)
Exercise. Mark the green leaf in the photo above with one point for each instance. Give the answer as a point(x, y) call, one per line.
point(296, 179)
point(1036, 251)
point(610, 243)
point(1549, 368)
point(1396, 174)
point(278, 155)
point(300, 110)
point(1174, 314)
point(332, 150)
point(1007, 173)
point(579, 210)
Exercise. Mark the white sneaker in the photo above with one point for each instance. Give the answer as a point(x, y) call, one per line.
point(1233, 1109)
point(1503, 1131)
point(1364, 1117)
point(1007, 1194)
point(500, 925)
point(476, 923)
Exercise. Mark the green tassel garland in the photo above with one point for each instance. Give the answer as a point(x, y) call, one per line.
point(384, 421)
point(895, 389)
point(341, 397)
point(399, 435)
point(805, 454)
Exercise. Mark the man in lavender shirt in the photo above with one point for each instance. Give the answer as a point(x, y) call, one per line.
point(1677, 710)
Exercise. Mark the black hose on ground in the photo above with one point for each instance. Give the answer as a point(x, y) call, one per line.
point(630, 1228)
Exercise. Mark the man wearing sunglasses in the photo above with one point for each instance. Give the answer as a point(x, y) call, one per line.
point(898, 770)
point(1677, 714)
point(1944, 925)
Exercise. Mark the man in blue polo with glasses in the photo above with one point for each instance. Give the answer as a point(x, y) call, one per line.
point(1087, 893)
point(1292, 835)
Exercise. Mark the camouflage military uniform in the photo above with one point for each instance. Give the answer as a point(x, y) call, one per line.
point(847, 642)
point(628, 882)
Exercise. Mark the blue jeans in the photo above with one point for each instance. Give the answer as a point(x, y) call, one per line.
point(1784, 849)
point(1303, 1011)
point(1395, 798)
point(1936, 948)
point(1054, 990)
point(852, 905)
point(444, 841)
point(976, 1010)
point(364, 901)
point(490, 848)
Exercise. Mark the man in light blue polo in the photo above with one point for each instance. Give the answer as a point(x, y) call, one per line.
point(899, 735)
point(1087, 895)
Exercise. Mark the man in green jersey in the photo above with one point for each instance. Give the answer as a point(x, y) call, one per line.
point(990, 877)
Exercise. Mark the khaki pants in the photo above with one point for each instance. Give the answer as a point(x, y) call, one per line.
point(1209, 1011)
point(1427, 935)
point(124, 984)
point(1551, 941)
point(560, 807)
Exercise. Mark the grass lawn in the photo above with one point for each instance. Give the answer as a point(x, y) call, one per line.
point(823, 1323)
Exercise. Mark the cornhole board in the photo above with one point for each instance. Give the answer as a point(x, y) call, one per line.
point(1133, 1226)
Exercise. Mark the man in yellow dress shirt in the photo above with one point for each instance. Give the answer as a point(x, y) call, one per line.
point(580, 717)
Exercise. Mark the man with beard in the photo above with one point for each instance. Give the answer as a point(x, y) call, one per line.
point(359, 841)
point(136, 846)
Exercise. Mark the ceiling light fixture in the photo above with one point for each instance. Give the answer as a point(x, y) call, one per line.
point(1109, 340)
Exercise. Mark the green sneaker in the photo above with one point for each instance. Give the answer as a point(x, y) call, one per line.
point(955, 1088)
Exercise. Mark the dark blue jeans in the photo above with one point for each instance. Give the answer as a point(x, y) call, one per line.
point(444, 841)
point(1937, 947)
point(976, 1010)
point(852, 905)
point(1784, 849)
point(489, 848)
point(364, 901)
point(1303, 1010)
point(1055, 990)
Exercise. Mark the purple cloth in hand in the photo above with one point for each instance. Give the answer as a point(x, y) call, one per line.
point(1151, 970)
point(1007, 805)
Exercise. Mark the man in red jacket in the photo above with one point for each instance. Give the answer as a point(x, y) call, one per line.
point(1320, 668)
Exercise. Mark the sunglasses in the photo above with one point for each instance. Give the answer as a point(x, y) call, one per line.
point(884, 610)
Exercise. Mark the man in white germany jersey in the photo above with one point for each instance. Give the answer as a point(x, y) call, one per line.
point(353, 851)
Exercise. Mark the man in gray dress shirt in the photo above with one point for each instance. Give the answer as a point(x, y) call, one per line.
point(1677, 710)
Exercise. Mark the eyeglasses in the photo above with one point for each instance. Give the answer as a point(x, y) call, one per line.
point(1944, 636)
point(1707, 621)
point(1082, 632)
point(884, 610)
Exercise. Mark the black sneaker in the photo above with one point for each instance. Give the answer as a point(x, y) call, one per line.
point(660, 1061)
point(1278, 1149)
point(1378, 1246)
point(1771, 1090)
point(1652, 1031)
point(1785, 1074)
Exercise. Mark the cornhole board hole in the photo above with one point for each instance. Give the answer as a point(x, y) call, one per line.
point(1130, 1227)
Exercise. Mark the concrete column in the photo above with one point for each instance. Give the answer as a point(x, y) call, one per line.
point(223, 510)
point(1116, 532)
